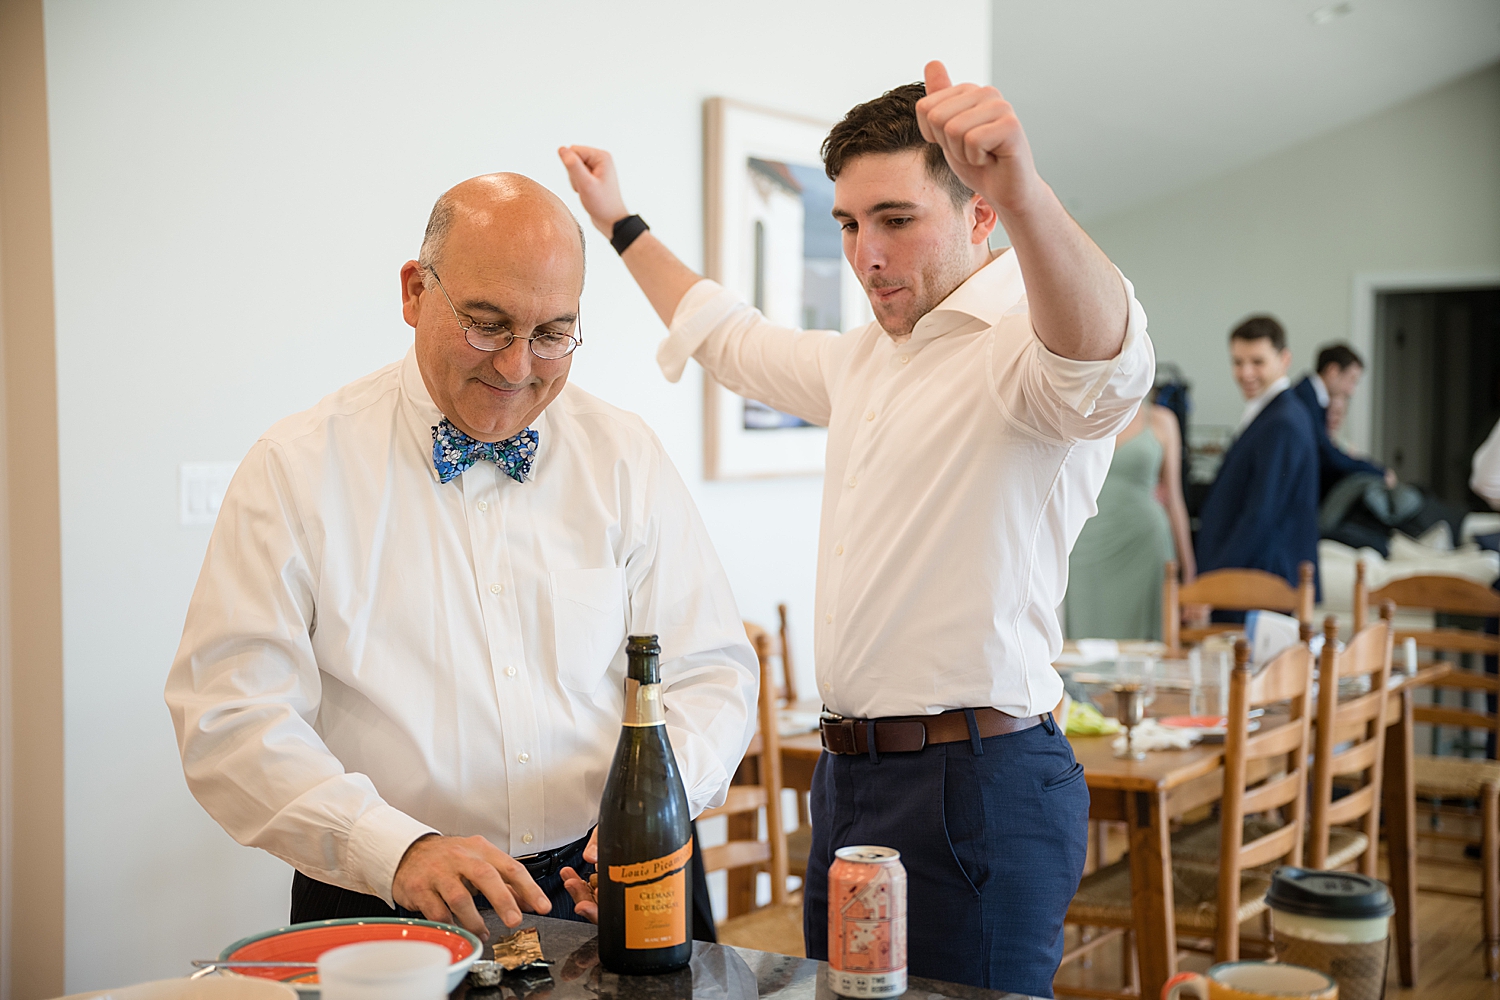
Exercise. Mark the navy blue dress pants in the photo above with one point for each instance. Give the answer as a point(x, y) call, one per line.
point(993, 837)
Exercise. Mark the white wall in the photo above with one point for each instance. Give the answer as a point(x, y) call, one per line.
point(1414, 189)
point(235, 187)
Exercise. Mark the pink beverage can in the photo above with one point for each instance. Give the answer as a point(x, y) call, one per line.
point(867, 922)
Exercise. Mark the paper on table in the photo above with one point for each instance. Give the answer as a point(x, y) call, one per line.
point(1268, 633)
point(1152, 735)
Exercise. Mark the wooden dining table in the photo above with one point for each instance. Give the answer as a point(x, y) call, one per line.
point(1147, 795)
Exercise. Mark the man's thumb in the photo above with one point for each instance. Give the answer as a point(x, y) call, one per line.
point(936, 75)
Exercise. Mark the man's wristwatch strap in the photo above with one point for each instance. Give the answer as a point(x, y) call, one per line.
point(626, 231)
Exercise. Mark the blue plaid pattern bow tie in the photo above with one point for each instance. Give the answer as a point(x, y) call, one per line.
point(453, 452)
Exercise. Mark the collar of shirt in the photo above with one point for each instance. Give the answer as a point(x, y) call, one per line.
point(384, 656)
point(1254, 406)
point(986, 295)
point(1319, 389)
point(425, 415)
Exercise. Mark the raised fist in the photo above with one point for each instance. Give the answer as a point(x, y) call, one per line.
point(592, 174)
point(981, 138)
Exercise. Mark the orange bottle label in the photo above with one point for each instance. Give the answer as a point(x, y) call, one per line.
point(655, 899)
point(656, 912)
point(645, 871)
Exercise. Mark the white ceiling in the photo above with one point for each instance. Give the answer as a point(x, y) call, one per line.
point(1124, 100)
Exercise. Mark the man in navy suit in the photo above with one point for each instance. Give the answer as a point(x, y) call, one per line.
point(1338, 373)
point(1262, 510)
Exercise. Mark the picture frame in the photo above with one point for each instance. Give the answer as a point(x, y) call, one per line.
point(769, 238)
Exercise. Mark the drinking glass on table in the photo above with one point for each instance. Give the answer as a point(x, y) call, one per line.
point(1141, 671)
point(1130, 711)
point(1135, 690)
point(1209, 666)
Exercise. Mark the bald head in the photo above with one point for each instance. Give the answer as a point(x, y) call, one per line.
point(502, 256)
point(503, 207)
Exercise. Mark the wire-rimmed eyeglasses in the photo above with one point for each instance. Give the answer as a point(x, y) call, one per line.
point(549, 345)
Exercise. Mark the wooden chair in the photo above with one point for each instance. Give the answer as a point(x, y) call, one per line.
point(1262, 772)
point(1455, 778)
point(1231, 590)
point(788, 689)
point(745, 854)
point(1357, 725)
point(799, 840)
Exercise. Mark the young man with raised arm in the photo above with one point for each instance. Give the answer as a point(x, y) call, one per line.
point(970, 428)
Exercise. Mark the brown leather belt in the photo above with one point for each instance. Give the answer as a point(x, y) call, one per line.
point(909, 733)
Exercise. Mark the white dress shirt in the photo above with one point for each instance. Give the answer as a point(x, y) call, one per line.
point(1485, 474)
point(371, 655)
point(1258, 403)
point(1319, 389)
point(961, 466)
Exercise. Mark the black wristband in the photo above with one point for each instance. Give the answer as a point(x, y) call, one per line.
point(626, 231)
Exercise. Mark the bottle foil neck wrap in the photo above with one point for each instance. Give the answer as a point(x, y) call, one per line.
point(643, 704)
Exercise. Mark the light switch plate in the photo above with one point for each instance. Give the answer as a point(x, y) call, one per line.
point(202, 486)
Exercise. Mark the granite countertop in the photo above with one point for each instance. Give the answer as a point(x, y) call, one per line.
point(718, 972)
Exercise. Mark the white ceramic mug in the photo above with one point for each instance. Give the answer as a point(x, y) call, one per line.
point(384, 970)
point(1252, 981)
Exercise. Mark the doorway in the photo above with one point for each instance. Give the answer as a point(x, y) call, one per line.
point(1437, 359)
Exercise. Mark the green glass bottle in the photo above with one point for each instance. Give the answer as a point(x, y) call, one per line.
point(645, 834)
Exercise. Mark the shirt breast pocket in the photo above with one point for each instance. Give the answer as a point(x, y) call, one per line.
point(588, 621)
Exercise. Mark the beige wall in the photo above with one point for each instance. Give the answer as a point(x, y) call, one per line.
point(1413, 190)
point(31, 740)
point(235, 187)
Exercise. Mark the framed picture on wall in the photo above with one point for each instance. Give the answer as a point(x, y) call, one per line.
point(770, 238)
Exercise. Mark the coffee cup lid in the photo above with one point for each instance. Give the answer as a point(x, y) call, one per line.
point(1333, 895)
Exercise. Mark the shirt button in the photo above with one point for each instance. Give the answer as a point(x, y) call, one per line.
point(838, 550)
point(853, 482)
point(827, 687)
point(523, 756)
point(528, 838)
point(483, 506)
point(828, 619)
point(870, 415)
point(496, 588)
point(905, 358)
point(510, 671)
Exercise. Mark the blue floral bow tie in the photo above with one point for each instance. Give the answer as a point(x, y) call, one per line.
point(453, 452)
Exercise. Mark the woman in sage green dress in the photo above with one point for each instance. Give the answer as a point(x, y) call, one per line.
point(1115, 569)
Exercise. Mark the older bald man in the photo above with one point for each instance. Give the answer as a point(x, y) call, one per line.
point(401, 668)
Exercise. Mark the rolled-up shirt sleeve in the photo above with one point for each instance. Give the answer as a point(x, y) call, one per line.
point(710, 675)
point(1067, 399)
point(783, 367)
point(245, 689)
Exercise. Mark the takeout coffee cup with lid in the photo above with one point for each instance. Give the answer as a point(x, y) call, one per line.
point(1336, 922)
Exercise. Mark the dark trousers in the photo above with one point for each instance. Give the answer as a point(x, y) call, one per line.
point(993, 838)
point(314, 900)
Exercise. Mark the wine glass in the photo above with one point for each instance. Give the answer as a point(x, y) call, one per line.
point(1130, 710)
point(1139, 670)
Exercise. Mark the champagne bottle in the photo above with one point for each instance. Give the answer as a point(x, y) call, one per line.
point(645, 834)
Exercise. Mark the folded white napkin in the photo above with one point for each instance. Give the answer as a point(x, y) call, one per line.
point(1098, 650)
point(1152, 735)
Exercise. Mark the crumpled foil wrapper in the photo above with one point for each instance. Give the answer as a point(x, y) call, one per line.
point(520, 951)
point(521, 948)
